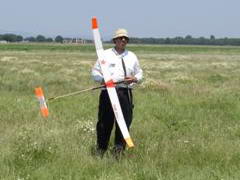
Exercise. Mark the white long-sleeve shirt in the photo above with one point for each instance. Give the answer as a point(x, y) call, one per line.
point(115, 67)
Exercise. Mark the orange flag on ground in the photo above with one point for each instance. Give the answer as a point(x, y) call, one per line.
point(43, 104)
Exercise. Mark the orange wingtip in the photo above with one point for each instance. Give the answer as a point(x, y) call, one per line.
point(110, 83)
point(44, 112)
point(94, 23)
point(39, 91)
point(43, 105)
point(129, 142)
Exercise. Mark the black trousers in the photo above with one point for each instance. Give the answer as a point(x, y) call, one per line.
point(106, 118)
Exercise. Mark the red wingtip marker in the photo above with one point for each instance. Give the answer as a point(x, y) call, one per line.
point(94, 23)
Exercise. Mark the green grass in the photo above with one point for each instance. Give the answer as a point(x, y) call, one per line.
point(186, 115)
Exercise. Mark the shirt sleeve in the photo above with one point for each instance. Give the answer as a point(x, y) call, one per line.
point(97, 73)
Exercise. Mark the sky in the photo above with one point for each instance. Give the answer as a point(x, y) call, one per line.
point(142, 18)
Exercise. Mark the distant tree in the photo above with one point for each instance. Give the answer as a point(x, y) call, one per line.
point(202, 41)
point(212, 40)
point(167, 41)
point(188, 37)
point(30, 39)
point(178, 40)
point(40, 38)
point(225, 41)
point(19, 38)
point(59, 39)
point(49, 40)
point(212, 37)
point(10, 37)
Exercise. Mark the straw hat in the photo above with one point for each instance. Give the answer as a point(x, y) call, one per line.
point(120, 33)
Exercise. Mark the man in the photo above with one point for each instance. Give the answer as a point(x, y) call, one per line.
point(123, 66)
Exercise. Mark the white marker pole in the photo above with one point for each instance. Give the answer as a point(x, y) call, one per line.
point(110, 84)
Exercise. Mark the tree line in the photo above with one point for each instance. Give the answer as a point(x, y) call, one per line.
point(38, 38)
point(187, 40)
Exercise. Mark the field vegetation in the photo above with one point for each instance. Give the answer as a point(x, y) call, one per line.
point(186, 116)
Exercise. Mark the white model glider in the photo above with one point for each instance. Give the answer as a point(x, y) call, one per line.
point(110, 85)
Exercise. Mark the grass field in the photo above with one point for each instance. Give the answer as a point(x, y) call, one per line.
point(186, 116)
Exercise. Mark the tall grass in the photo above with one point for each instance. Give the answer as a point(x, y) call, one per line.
point(186, 115)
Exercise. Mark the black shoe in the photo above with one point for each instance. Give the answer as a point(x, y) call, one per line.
point(98, 152)
point(118, 151)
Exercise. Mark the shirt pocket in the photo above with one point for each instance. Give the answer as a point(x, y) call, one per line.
point(112, 65)
point(112, 68)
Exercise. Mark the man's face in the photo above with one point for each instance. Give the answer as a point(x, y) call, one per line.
point(121, 42)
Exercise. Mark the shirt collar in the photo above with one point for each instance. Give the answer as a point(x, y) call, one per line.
point(120, 55)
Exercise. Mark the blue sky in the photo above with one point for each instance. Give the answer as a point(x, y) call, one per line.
point(142, 18)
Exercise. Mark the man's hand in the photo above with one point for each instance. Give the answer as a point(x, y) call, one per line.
point(130, 80)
